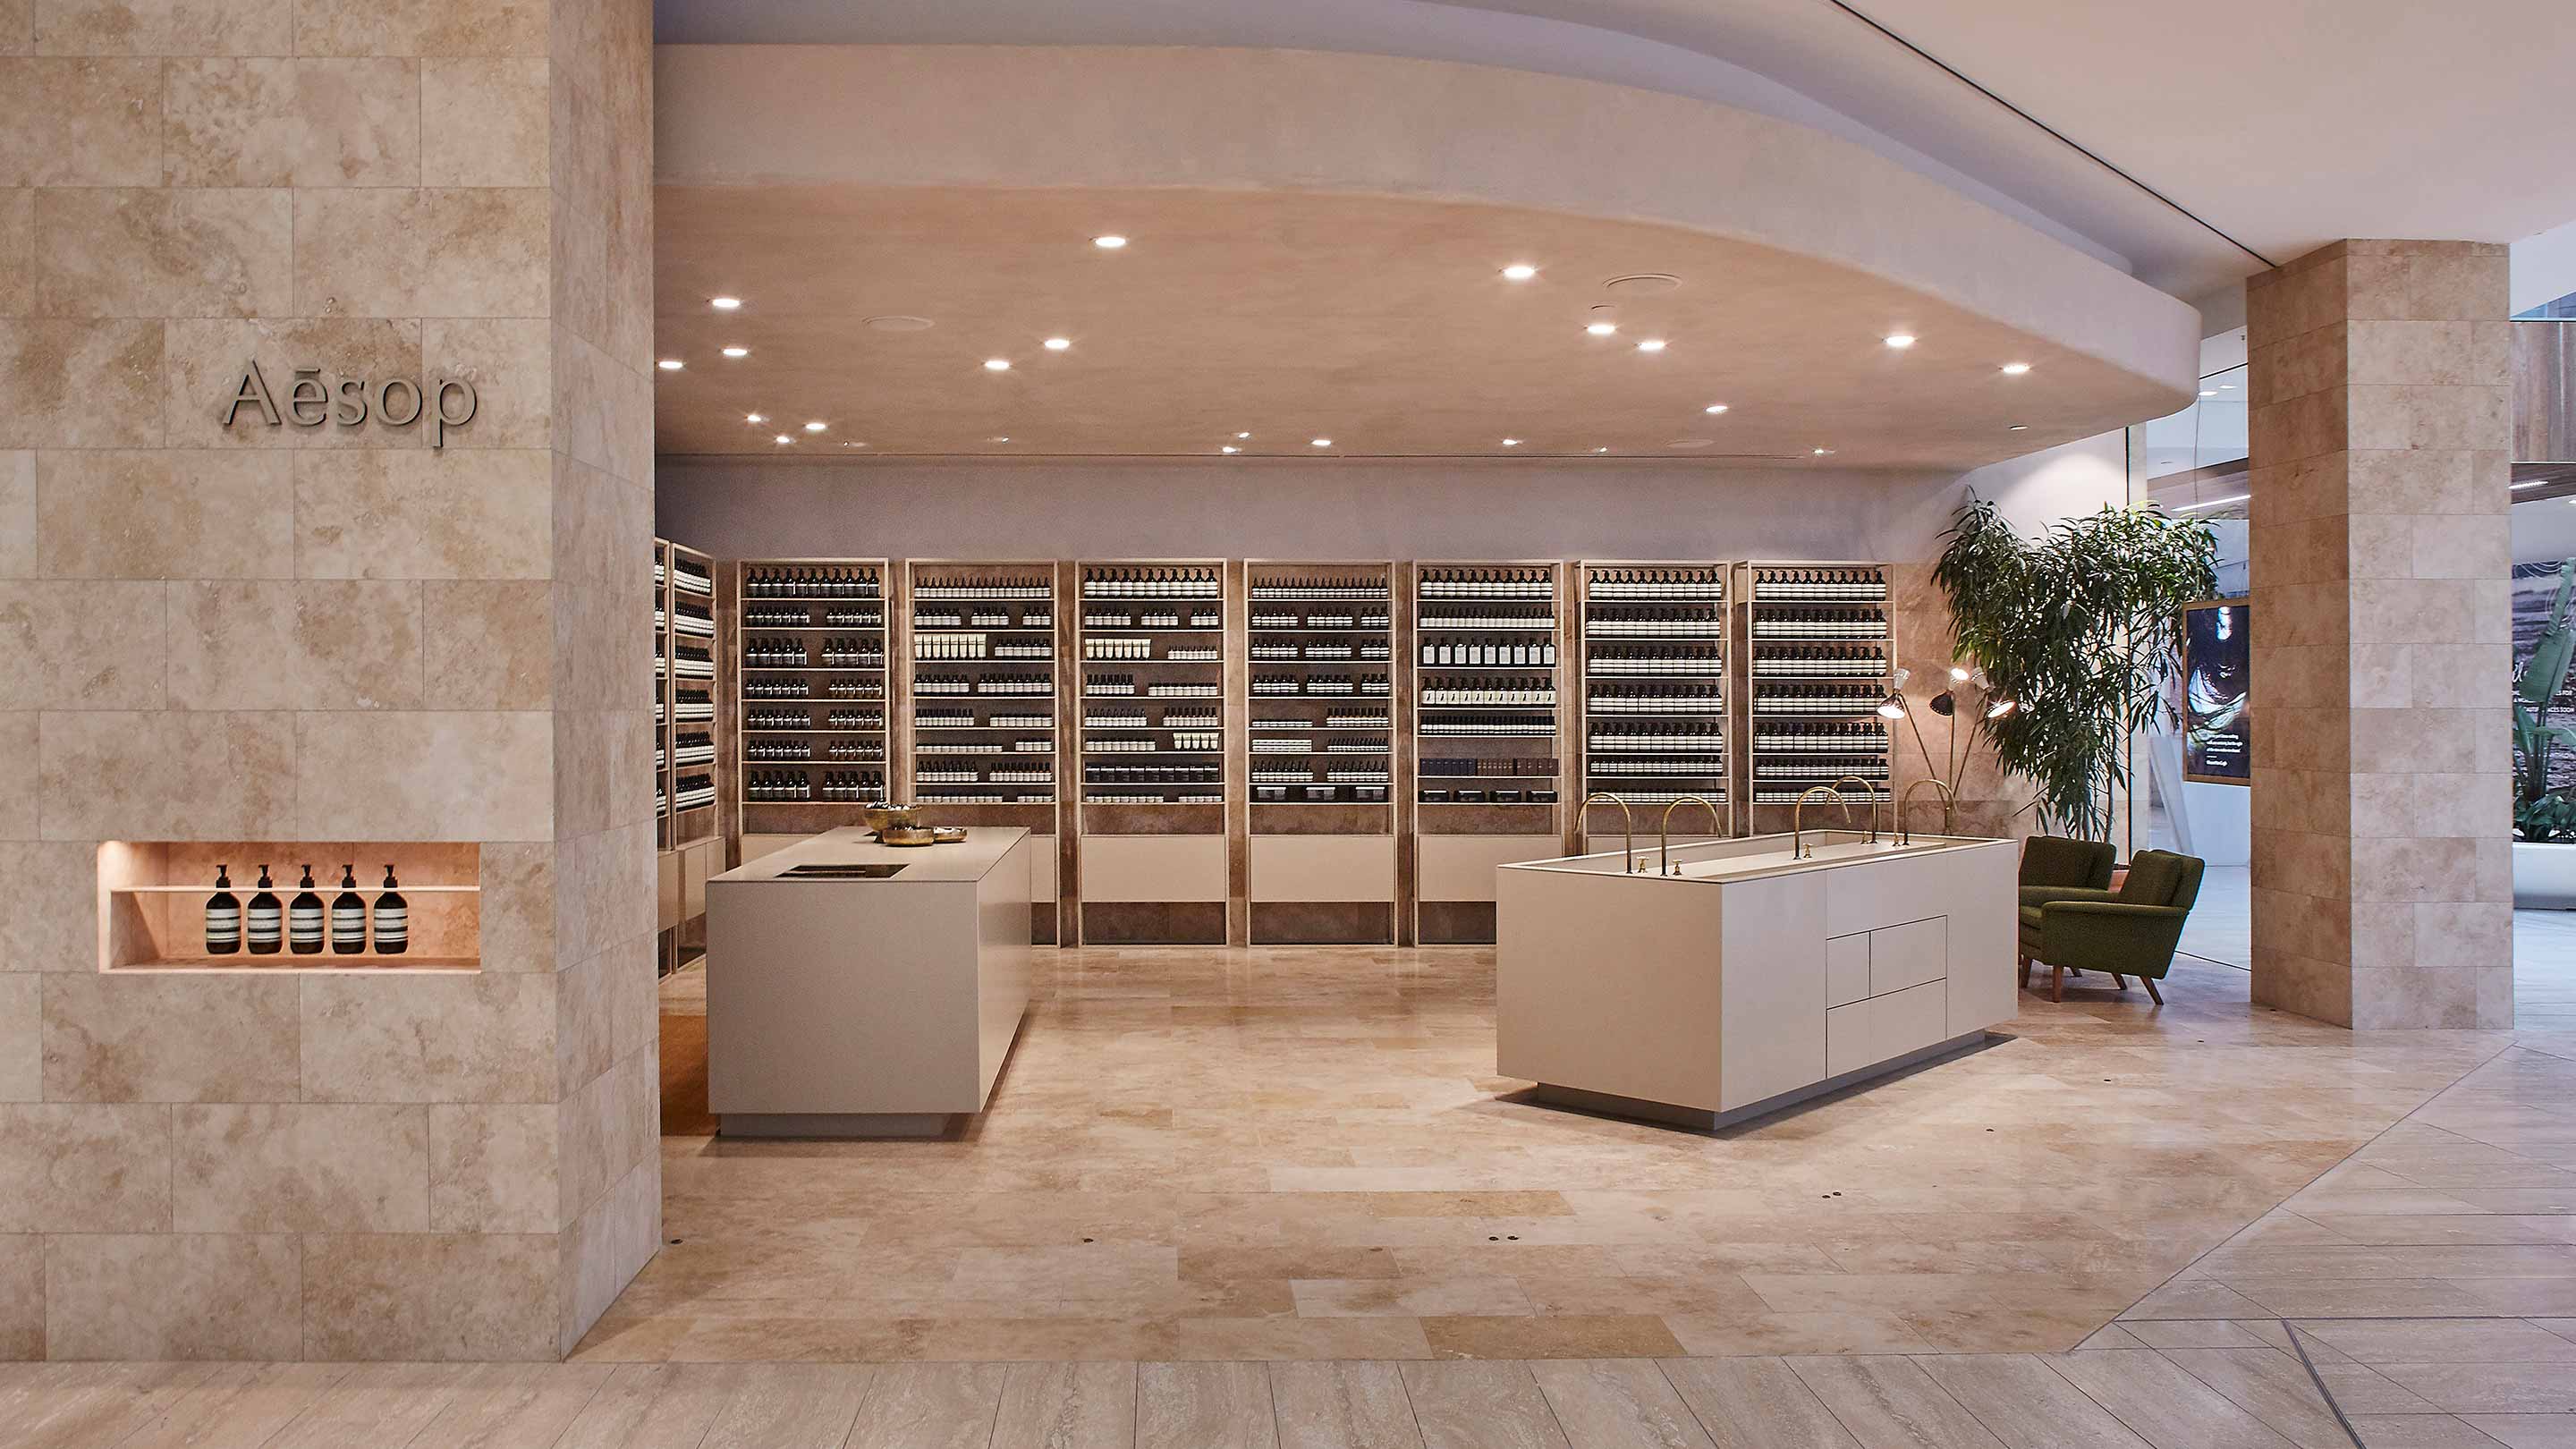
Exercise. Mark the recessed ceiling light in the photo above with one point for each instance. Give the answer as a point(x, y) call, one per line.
point(670, 364)
point(999, 438)
point(1822, 452)
point(737, 352)
point(1692, 443)
point(753, 418)
point(1511, 442)
point(2227, 387)
point(899, 322)
point(1650, 344)
point(1058, 344)
point(814, 427)
point(1319, 442)
point(1228, 448)
point(2208, 392)
point(1519, 272)
point(784, 438)
point(2015, 369)
point(1109, 243)
point(1600, 329)
point(1243, 437)
point(725, 304)
point(2018, 428)
point(1899, 340)
point(853, 444)
point(997, 364)
point(1714, 408)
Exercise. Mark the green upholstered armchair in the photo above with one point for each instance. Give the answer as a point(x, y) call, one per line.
point(2128, 932)
point(2053, 866)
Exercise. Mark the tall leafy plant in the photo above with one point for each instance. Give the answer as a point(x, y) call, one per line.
point(2540, 813)
point(2081, 628)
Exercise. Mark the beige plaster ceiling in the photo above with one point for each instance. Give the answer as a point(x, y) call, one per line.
point(1380, 323)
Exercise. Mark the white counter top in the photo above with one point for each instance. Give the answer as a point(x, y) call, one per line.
point(1751, 857)
point(969, 860)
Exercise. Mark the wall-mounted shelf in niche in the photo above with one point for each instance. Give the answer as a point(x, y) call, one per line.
point(163, 906)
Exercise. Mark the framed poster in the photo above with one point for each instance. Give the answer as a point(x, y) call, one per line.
point(2217, 736)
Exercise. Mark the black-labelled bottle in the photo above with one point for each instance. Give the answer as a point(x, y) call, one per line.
point(348, 915)
point(223, 917)
point(304, 919)
point(266, 929)
point(393, 919)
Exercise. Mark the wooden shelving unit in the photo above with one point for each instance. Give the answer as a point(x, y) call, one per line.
point(980, 691)
point(1152, 691)
point(1321, 751)
point(1489, 644)
point(810, 646)
point(1655, 689)
point(1819, 644)
point(688, 731)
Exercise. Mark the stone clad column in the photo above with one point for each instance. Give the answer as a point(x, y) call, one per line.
point(2382, 867)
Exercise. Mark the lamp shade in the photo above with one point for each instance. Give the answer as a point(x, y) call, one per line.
point(1892, 707)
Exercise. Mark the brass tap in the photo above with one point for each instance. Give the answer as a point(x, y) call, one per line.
point(1949, 805)
point(1627, 825)
point(1797, 815)
point(1665, 833)
point(1873, 806)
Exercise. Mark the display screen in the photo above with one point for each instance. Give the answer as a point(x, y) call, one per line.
point(2217, 726)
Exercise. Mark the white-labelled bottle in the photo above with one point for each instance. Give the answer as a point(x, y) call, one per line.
point(265, 926)
point(348, 915)
point(223, 917)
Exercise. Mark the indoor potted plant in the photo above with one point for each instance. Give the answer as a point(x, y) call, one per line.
point(2544, 815)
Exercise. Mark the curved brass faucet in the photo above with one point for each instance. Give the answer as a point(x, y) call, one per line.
point(1797, 816)
point(1628, 827)
point(1949, 806)
point(1873, 806)
point(1665, 834)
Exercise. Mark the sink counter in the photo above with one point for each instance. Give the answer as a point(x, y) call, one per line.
point(1738, 977)
point(969, 860)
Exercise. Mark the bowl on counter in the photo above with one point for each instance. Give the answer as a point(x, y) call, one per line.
point(880, 817)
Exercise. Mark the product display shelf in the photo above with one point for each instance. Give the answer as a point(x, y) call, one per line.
point(980, 709)
point(687, 662)
point(1149, 695)
point(1819, 644)
point(1655, 690)
point(1319, 696)
point(810, 715)
point(1488, 697)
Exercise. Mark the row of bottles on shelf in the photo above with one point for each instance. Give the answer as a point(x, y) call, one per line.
point(1533, 690)
point(228, 928)
point(1708, 583)
point(1153, 583)
point(947, 774)
point(1113, 684)
point(803, 720)
point(804, 689)
point(1683, 659)
point(1326, 650)
point(1153, 774)
point(774, 617)
point(1322, 619)
point(1183, 742)
point(1534, 621)
point(978, 646)
point(1319, 588)
point(693, 792)
point(697, 619)
point(1623, 623)
point(1520, 653)
point(1306, 772)
point(1658, 699)
point(1846, 737)
point(1698, 736)
point(1490, 726)
point(1142, 647)
point(1343, 745)
point(1816, 699)
point(1037, 746)
point(1487, 795)
point(1292, 794)
point(1014, 587)
point(1171, 619)
point(1504, 583)
point(983, 616)
point(1503, 767)
point(1632, 767)
point(961, 719)
point(1852, 585)
point(693, 704)
point(1821, 660)
point(834, 651)
point(771, 750)
point(692, 661)
point(1333, 720)
point(1864, 623)
point(786, 787)
point(1322, 686)
point(812, 583)
point(1820, 771)
point(693, 747)
point(1022, 685)
point(1097, 718)
point(690, 575)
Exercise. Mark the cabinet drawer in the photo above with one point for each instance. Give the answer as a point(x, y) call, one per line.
point(1907, 955)
point(1907, 1020)
point(1847, 1039)
point(666, 890)
point(1846, 969)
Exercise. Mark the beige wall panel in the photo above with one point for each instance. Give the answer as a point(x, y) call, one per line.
point(1461, 867)
point(1153, 868)
point(1323, 867)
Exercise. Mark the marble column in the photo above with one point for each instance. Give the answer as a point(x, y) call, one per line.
point(2380, 453)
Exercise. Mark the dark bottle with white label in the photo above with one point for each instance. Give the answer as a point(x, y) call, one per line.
point(304, 919)
point(266, 929)
point(223, 917)
point(393, 919)
point(348, 915)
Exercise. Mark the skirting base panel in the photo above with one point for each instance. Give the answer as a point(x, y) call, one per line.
point(1610, 1104)
point(835, 1124)
point(1322, 923)
point(1153, 923)
point(1457, 923)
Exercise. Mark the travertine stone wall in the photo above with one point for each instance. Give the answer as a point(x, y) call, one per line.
point(257, 633)
point(2383, 874)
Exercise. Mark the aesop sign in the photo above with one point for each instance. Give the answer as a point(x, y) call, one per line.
point(397, 402)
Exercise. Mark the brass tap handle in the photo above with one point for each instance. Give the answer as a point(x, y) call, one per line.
point(1628, 850)
point(1665, 833)
point(1797, 817)
point(1873, 804)
point(1949, 800)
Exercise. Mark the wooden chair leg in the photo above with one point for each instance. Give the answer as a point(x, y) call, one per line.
point(2120, 981)
point(2057, 983)
point(2149, 982)
point(2025, 973)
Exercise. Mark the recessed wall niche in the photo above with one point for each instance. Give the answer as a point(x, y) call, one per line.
point(158, 906)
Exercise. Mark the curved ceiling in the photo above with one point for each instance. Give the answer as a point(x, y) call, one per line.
point(2281, 123)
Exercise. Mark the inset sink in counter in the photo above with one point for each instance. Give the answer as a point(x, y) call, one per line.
point(1748, 976)
point(859, 989)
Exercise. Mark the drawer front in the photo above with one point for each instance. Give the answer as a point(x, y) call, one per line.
point(1908, 955)
point(666, 893)
point(1846, 970)
point(1908, 1020)
point(1847, 1039)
